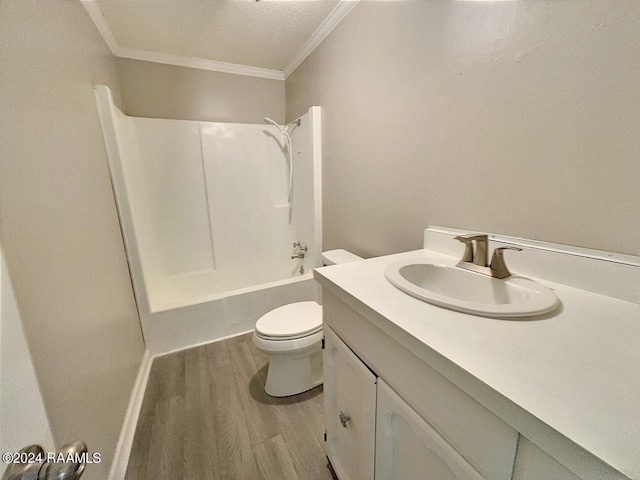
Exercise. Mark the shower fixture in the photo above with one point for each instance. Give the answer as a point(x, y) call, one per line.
point(286, 138)
point(281, 127)
point(299, 250)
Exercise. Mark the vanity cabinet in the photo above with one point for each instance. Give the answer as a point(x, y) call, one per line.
point(481, 438)
point(407, 447)
point(462, 396)
point(372, 433)
point(349, 411)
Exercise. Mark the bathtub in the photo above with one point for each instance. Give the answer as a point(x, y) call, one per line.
point(221, 315)
point(209, 220)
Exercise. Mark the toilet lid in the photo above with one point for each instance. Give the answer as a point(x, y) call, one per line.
point(291, 321)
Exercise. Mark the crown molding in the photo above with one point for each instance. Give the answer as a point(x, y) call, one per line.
point(201, 63)
point(101, 24)
point(333, 19)
point(96, 15)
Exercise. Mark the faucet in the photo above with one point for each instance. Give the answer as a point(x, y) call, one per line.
point(479, 255)
point(299, 250)
point(475, 259)
point(498, 267)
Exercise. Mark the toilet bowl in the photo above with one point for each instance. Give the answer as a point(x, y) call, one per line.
point(291, 336)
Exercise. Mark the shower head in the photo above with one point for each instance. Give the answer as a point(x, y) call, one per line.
point(272, 122)
point(282, 128)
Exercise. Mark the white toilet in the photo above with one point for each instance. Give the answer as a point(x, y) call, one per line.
point(292, 337)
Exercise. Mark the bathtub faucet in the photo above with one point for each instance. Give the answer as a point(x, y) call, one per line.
point(299, 249)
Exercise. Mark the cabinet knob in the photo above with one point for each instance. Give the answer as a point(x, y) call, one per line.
point(344, 419)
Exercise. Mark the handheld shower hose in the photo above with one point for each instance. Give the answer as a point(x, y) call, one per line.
point(286, 138)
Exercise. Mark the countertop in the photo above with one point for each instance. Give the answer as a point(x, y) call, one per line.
point(577, 369)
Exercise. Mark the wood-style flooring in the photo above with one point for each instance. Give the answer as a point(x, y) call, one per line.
point(205, 416)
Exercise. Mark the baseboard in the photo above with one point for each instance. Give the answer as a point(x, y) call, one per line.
point(123, 448)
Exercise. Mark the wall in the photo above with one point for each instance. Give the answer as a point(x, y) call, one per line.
point(518, 118)
point(23, 420)
point(167, 91)
point(58, 222)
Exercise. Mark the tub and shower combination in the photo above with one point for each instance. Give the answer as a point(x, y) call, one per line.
point(210, 213)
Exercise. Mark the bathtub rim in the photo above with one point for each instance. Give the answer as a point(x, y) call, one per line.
point(176, 304)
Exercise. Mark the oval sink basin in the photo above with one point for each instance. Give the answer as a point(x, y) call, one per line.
point(470, 292)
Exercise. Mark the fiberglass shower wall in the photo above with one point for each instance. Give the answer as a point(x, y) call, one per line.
point(208, 205)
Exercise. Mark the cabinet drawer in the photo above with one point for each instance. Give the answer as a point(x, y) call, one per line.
point(407, 447)
point(483, 439)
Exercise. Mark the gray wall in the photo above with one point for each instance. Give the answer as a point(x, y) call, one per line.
point(58, 222)
point(519, 118)
point(166, 91)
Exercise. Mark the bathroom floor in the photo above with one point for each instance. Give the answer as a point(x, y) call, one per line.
point(205, 416)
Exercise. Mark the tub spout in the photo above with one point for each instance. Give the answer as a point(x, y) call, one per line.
point(299, 250)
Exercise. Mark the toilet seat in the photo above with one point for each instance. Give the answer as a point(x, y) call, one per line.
point(289, 322)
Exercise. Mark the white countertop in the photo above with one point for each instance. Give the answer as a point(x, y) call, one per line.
point(576, 369)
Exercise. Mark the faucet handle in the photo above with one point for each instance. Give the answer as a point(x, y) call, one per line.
point(468, 247)
point(480, 256)
point(498, 267)
point(472, 236)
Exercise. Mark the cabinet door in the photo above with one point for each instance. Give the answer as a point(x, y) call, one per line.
point(350, 402)
point(408, 448)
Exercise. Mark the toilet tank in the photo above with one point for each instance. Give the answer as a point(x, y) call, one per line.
point(333, 257)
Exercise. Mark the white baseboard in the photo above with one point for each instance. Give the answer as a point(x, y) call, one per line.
point(123, 448)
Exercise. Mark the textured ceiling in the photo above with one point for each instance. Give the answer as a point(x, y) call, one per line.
point(265, 34)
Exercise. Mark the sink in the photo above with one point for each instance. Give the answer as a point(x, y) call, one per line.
point(470, 292)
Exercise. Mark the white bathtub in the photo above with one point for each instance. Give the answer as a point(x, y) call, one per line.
point(221, 315)
point(209, 222)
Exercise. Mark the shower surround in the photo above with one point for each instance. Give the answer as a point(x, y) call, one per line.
point(207, 221)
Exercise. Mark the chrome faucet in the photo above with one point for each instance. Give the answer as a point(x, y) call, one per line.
point(299, 250)
point(475, 259)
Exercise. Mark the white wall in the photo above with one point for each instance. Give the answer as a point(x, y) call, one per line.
point(512, 117)
point(23, 420)
point(58, 222)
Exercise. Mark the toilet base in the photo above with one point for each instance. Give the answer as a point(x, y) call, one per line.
point(291, 373)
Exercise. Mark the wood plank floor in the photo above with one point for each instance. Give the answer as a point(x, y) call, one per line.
point(205, 416)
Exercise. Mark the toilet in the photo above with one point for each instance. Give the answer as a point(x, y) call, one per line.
point(291, 336)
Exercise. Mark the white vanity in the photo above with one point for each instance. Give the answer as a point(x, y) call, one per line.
point(416, 391)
